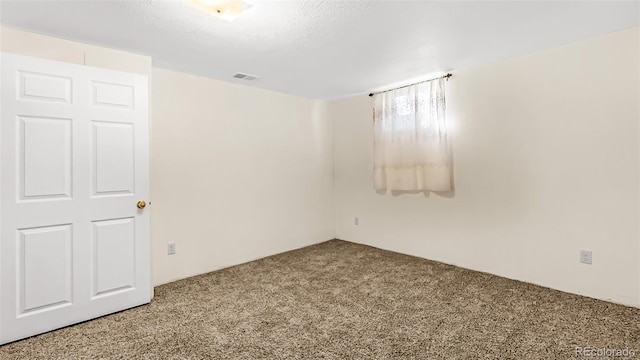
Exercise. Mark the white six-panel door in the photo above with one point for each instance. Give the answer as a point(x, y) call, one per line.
point(73, 165)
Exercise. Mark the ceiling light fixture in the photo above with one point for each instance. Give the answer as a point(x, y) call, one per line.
point(225, 9)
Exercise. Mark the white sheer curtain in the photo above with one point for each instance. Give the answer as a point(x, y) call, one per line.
point(411, 142)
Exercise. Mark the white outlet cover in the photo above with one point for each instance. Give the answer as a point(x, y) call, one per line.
point(586, 257)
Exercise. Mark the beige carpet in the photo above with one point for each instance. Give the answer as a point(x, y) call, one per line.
point(339, 300)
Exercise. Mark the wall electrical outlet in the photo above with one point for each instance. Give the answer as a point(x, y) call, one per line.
point(171, 248)
point(585, 256)
point(356, 221)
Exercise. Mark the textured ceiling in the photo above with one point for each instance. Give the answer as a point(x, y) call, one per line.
point(324, 49)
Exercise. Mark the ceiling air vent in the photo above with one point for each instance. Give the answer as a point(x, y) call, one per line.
point(245, 76)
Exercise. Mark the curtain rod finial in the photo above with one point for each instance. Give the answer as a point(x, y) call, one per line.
point(371, 94)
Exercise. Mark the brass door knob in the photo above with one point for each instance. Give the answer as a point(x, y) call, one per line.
point(141, 204)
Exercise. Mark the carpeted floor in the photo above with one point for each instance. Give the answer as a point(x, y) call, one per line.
point(339, 300)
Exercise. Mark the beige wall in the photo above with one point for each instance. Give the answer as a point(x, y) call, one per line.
point(238, 173)
point(546, 153)
point(47, 47)
point(546, 150)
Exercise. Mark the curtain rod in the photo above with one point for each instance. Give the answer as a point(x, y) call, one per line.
point(419, 82)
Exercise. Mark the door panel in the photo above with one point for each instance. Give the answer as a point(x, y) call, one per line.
point(73, 164)
point(113, 95)
point(45, 157)
point(44, 268)
point(44, 87)
point(113, 158)
point(114, 256)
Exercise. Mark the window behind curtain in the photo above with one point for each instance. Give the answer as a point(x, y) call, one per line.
point(411, 142)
